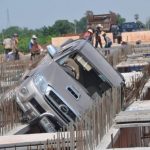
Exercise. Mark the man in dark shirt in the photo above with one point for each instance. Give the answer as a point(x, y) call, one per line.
point(97, 36)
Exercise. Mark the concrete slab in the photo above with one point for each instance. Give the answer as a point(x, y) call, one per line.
point(19, 129)
point(137, 114)
point(26, 139)
point(139, 105)
point(132, 148)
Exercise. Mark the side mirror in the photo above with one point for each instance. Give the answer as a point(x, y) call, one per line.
point(52, 50)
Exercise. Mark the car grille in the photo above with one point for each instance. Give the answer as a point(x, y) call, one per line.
point(60, 107)
point(37, 106)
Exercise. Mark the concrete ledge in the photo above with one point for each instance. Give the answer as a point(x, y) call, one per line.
point(19, 129)
point(132, 148)
point(26, 139)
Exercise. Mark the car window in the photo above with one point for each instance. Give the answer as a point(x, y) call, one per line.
point(79, 68)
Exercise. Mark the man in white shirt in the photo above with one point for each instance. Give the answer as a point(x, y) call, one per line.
point(7, 46)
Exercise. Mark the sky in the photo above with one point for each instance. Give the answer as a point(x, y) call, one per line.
point(35, 14)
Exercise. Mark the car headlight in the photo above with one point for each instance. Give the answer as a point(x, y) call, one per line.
point(24, 91)
point(40, 82)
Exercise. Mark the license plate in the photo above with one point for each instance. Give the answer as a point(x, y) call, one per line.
point(47, 125)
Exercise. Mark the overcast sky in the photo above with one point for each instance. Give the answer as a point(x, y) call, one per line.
point(38, 13)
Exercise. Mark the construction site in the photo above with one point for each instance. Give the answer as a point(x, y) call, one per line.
point(77, 97)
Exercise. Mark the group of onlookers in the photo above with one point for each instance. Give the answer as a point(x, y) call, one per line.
point(11, 47)
point(95, 35)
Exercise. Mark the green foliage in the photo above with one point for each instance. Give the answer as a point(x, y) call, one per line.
point(120, 19)
point(1, 49)
point(63, 27)
point(81, 25)
point(11, 30)
point(140, 24)
point(44, 34)
point(23, 44)
point(44, 40)
point(25, 36)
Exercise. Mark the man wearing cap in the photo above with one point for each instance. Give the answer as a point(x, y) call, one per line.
point(7, 43)
point(98, 35)
point(34, 47)
point(89, 35)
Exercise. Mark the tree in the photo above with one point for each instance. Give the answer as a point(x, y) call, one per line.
point(148, 24)
point(45, 31)
point(81, 25)
point(120, 19)
point(52, 31)
point(25, 35)
point(89, 13)
point(63, 27)
point(11, 30)
point(140, 25)
point(136, 17)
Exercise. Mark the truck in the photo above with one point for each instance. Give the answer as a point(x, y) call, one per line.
point(108, 21)
point(65, 84)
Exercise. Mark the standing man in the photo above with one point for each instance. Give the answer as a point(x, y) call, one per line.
point(89, 35)
point(15, 46)
point(7, 47)
point(108, 41)
point(98, 36)
point(34, 47)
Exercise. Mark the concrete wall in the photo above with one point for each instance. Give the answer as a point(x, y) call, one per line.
point(57, 41)
point(144, 36)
